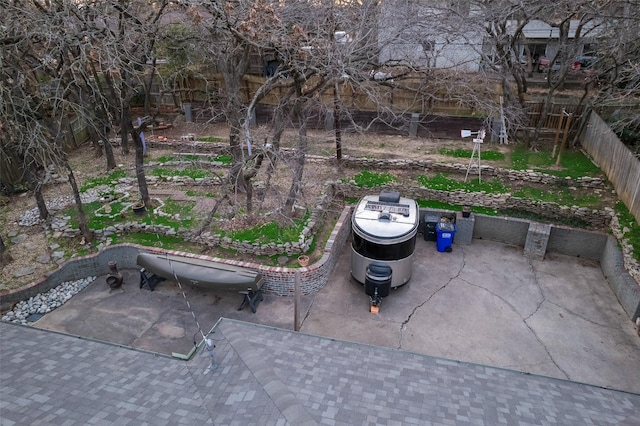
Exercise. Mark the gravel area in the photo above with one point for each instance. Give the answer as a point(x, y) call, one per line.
point(31, 310)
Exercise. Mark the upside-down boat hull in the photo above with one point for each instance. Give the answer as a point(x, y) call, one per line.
point(201, 272)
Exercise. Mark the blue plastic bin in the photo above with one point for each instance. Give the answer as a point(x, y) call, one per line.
point(444, 236)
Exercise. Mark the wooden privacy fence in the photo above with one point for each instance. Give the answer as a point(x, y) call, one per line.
point(405, 96)
point(409, 96)
point(615, 159)
point(12, 171)
point(556, 119)
point(78, 133)
point(424, 125)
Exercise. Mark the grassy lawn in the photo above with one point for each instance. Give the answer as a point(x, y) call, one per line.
point(630, 227)
point(489, 155)
point(574, 163)
point(271, 232)
point(110, 179)
point(367, 179)
point(561, 196)
point(442, 182)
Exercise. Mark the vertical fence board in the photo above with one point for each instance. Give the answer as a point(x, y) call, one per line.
point(616, 161)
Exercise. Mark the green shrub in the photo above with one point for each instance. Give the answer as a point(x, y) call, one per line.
point(439, 205)
point(192, 172)
point(574, 163)
point(271, 232)
point(224, 159)
point(192, 193)
point(562, 196)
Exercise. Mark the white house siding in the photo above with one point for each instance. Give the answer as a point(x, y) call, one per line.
point(411, 32)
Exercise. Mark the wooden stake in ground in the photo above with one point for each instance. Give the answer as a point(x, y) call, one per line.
point(564, 138)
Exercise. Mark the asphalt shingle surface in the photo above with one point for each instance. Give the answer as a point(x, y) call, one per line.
point(270, 376)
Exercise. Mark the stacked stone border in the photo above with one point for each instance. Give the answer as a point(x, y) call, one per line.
point(214, 148)
point(599, 219)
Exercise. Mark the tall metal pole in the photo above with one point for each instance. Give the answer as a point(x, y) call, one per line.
point(296, 306)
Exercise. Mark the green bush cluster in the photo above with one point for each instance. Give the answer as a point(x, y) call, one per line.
point(271, 232)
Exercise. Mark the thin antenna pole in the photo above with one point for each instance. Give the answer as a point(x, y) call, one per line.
point(477, 143)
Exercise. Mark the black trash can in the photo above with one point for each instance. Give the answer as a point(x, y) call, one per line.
point(430, 222)
point(377, 277)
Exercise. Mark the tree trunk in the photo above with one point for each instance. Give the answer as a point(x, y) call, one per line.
point(248, 186)
point(42, 205)
point(82, 218)
point(279, 124)
point(299, 158)
point(148, 81)
point(233, 69)
point(212, 213)
point(111, 159)
point(125, 124)
point(5, 257)
point(142, 180)
point(37, 193)
point(237, 160)
point(105, 127)
point(336, 121)
point(93, 136)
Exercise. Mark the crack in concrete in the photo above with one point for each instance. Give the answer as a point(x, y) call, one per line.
point(404, 323)
point(524, 320)
point(313, 299)
point(570, 312)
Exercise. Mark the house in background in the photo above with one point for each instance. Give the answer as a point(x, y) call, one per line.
point(452, 35)
point(541, 42)
point(420, 34)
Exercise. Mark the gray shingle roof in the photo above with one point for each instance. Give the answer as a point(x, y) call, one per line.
point(270, 376)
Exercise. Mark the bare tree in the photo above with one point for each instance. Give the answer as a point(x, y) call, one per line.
point(5, 257)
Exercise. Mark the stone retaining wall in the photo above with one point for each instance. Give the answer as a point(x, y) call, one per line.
point(597, 218)
point(403, 164)
point(623, 284)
